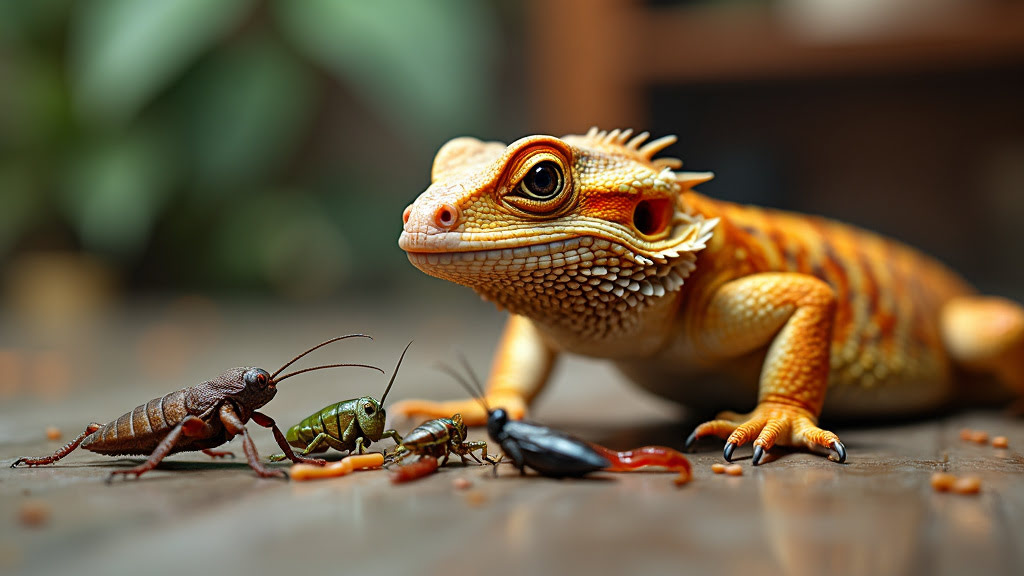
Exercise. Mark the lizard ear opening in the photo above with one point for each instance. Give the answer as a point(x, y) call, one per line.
point(460, 153)
point(651, 216)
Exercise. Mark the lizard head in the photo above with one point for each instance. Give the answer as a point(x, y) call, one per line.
point(579, 231)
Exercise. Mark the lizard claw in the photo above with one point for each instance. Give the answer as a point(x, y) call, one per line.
point(839, 452)
point(727, 453)
point(690, 440)
point(758, 454)
point(769, 424)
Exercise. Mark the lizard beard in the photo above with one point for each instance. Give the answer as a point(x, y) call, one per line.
point(583, 285)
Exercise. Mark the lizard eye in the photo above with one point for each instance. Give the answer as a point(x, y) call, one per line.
point(543, 181)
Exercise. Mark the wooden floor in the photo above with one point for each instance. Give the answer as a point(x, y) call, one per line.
point(797, 514)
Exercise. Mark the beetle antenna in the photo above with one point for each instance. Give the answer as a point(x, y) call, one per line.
point(395, 373)
point(473, 392)
point(304, 370)
point(320, 345)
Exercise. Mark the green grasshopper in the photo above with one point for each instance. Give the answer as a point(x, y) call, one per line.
point(349, 425)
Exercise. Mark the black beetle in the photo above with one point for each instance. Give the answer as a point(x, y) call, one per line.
point(550, 452)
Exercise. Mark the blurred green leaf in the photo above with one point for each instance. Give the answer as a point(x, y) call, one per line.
point(21, 203)
point(115, 189)
point(123, 52)
point(424, 66)
point(246, 109)
point(20, 19)
point(32, 115)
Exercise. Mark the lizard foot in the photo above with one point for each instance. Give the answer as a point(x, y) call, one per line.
point(769, 424)
point(473, 413)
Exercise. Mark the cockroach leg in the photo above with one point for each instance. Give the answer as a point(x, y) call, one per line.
point(161, 451)
point(268, 422)
point(219, 453)
point(59, 453)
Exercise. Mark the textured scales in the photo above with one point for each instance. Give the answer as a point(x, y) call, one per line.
point(706, 302)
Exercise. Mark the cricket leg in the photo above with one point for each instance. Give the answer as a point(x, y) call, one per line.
point(218, 453)
point(191, 423)
point(268, 422)
point(67, 449)
point(793, 314)
point(234, 425)
point(521, 368)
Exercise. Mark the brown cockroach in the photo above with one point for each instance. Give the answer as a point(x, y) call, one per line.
point(197, 418)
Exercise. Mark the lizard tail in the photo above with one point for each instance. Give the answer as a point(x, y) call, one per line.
point(986, 334)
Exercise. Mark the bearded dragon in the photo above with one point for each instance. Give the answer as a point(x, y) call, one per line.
point(598, 247)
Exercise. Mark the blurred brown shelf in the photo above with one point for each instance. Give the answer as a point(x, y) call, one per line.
point(593, 59)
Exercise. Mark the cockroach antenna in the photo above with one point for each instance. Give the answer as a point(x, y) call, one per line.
point(472, 375)
point(474, 391)
point(318, 346)
point(395, 373)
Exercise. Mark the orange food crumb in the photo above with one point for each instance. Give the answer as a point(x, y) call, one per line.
point(967, 485)
point(302, 472)
point(461, 483)
point(718, 468)
point(734, 470)
point(475, 498)
point(1001, 442)
point(966, 434)
point(942, 482)
point(34, 513)
point(52, 433)
point(979, 437)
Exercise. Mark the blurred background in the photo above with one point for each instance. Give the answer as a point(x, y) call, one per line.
point(168, 168)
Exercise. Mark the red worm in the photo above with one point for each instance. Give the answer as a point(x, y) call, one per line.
point(658, 456)
point(418, 468)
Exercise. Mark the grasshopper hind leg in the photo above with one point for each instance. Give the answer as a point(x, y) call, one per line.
point(317, 445)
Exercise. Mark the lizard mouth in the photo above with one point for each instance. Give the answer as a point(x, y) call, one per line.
point(458, 243)
point(559, 253)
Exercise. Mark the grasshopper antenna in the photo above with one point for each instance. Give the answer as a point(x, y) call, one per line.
point(320, 345)
point(304, 370)
point(395, 373)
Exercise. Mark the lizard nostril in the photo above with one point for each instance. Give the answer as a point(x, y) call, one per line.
point(405, 214)
point(445, 216)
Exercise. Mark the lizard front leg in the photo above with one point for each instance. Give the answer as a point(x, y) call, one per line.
point(792, 314)
point(521, 368)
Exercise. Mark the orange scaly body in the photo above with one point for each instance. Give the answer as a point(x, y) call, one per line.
point(596, 247)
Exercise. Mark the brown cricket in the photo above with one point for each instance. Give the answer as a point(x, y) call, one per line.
point(197, 418)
